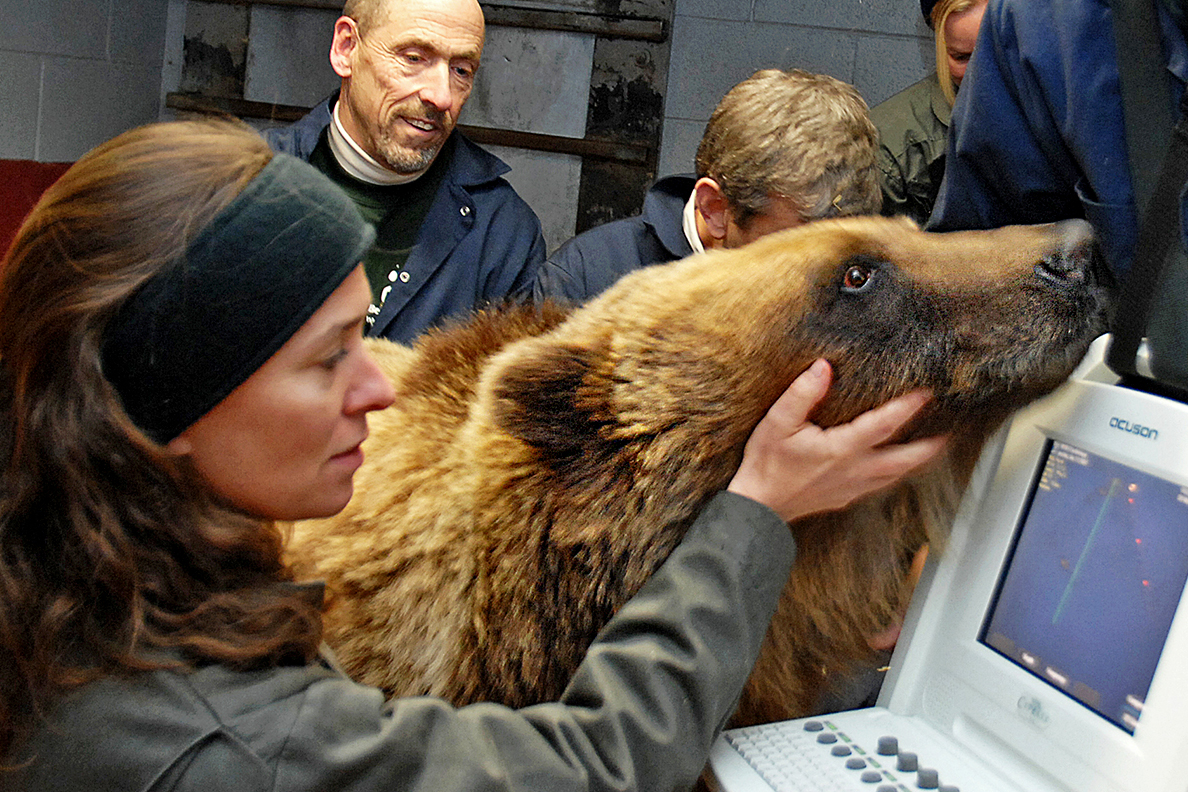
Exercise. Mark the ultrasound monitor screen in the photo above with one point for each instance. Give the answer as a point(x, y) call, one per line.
point(1093, 581)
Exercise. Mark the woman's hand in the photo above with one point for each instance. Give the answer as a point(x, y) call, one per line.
point(797, 468)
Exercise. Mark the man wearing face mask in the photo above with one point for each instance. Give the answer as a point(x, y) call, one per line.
point(1038, 129)
point(781, 149)
point(452, 234)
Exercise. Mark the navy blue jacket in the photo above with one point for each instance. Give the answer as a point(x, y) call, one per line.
point(1037, 132)
point(480, 242)
point(590, 262)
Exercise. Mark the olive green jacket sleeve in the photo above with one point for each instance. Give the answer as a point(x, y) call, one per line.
point(640, 713)
point(913, 129)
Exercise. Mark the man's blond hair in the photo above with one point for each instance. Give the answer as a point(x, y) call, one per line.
point(797, 135)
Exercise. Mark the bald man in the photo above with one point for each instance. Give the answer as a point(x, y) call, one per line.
point(452, 234)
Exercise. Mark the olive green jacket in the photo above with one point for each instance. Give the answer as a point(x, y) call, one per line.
point(640, 713)
point(913, 126)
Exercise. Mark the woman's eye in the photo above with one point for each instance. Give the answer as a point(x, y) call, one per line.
point(857, 277)
point(332, 362)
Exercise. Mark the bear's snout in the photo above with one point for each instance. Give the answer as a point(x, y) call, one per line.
point(1077, 262)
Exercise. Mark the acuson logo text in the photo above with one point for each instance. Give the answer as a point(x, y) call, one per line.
point(1133, 428)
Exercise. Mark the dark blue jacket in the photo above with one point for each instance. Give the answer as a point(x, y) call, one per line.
point(480, 242)
point(1037, 132)
point(590, 262)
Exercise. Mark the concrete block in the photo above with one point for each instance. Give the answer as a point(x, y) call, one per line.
point(288, 60)
point(549, 183)
point(19, 95)
point(678, 146)
point(86, 102)
point(533, 81)
point(55, 27)
point(876, 16)
point(739, 49)
point(885, 66)
point(138, 31)
point(738, 11)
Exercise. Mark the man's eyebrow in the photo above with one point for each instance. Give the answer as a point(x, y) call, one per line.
point(419, 43)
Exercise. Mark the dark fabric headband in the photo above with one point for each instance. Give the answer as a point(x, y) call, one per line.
point(246, 283)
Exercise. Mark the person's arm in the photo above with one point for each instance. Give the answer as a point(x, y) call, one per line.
point(513, 247)
point(661, 678)
point(559, 277)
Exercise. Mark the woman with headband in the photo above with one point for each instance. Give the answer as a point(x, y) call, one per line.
point(181, 364)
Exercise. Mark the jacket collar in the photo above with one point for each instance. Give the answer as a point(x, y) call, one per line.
point(470, 167)
point(663, 209)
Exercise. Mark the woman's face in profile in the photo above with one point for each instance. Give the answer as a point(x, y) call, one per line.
point(285, 444)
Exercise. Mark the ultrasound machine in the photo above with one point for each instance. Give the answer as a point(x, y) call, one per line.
point(1047, 649)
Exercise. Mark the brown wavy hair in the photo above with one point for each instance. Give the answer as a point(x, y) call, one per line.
point(112, 557)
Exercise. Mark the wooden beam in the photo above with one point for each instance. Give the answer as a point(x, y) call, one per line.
point(626, 153)
point(642, 28)
point(577, 22)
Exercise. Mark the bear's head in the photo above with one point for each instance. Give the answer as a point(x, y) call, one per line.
point(679, 361)
point(537, 465)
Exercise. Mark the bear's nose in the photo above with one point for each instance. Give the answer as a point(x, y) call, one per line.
point(1076, 260)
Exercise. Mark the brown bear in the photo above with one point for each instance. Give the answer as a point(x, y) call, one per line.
point(536, 467)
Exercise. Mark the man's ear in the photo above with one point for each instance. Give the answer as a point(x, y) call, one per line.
point(342, 48)
point(713, 211)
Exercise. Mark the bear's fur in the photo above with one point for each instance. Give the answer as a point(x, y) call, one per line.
point(537, 467)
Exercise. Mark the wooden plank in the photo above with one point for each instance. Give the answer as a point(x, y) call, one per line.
point(625, 153)
point(575, 22)
point(641, 28)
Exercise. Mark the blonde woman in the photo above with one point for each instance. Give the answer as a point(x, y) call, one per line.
point(914, 123)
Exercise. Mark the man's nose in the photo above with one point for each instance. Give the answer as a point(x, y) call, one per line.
point(435, 86)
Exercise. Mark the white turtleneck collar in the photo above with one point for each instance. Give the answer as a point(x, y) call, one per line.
point(358, 163)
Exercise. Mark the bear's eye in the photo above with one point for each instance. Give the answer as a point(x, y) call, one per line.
point(858, 277)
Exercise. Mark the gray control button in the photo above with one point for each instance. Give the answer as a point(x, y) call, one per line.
point(841, 750)
point(907, 762)
point(826, 738)
point(813, 726)
point(927, 778)
point(888, 746)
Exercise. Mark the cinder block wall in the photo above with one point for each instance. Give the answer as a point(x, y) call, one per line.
point(77, 72)
point(881, 46)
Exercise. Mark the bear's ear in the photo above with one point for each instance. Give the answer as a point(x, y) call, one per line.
point(552, 398)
